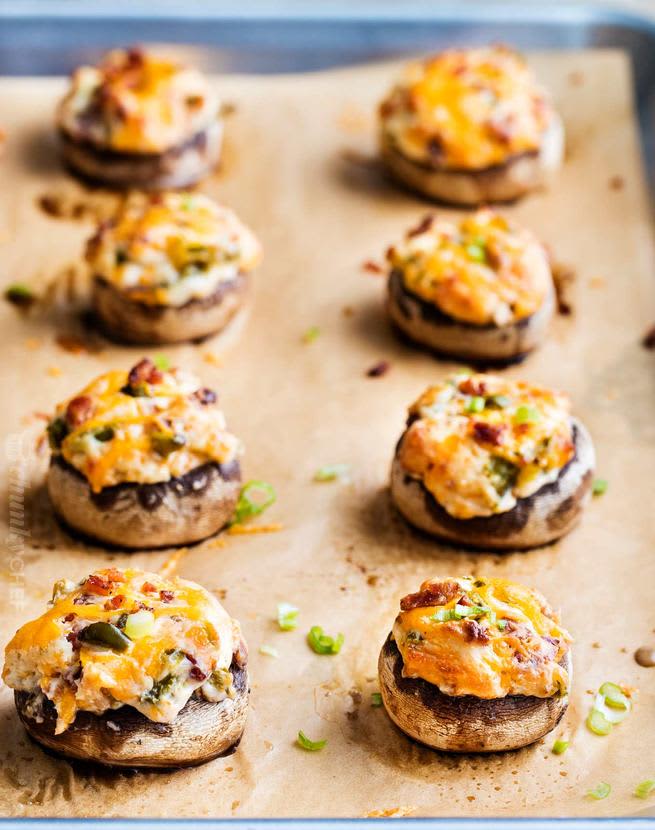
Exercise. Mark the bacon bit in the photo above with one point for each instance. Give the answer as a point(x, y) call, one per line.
point(103, 583)
point(72, 639)
point(166, 596)
point(205, 396)
point(648, 340)
point(170, 565)
point(70, 617)
point(71, 343)
point(488, 433)
point(424, 225)
point(213, 359)
point(82, 599)
point(197, 673)
point(243, 530)
point(114, 602)
point(438, 593)
point(473, 386)
point(148, 588)
point(145, 371)
point(474, 632)
point(372, 267)
point(378, 369)
point(617, 183)
point(79, 410)
point(54, 371)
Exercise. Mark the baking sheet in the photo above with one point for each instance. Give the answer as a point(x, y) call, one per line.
point(299, 168)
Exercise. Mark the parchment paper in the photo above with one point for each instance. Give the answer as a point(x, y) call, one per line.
point(298, 167)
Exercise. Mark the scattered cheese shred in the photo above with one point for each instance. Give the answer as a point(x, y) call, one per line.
point(242, 530)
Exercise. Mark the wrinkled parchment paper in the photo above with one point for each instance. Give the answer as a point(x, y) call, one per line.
point(299, 168)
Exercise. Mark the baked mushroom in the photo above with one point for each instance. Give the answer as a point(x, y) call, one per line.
point(140, 120)
point(475, 665)
point(143, 459)
point(480, 289)
point(470, 126)
point(169, 268)
point(488, 462)
point(129, 669)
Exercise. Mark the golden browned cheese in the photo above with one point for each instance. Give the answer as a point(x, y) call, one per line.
point(479, 442)
point(167, 639)
point(466, 109)
point(137, 102)
point(142, 426)
point(483, 637)
point(170, 248)
point(482, 270)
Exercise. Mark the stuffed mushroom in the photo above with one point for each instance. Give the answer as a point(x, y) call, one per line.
point(169, 268)
point(470, 126)
point(140, 120)
point(143, 459)
point(129, 669)
point(480, 289)
point(489, 462)
point(475, 665)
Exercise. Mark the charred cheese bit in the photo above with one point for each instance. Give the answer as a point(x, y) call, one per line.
point(481, 270)
point(466, 109)
point(155, 643)
point(480, 442)
point(143, 426)
point(483, 637)
point(137, 102)
point(168, 249)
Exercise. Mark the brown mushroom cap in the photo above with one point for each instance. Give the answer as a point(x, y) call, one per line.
point(536, 520)
point(126, 738)
point(467, 723)
point(427, 325)
point(130, 321)
point(177, 167)
point(176, 512)
point(500, 183)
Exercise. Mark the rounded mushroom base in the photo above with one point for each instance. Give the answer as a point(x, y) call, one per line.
point(469, 188)
point(145, 516)
point(467, 723)
point(176, 168)
point(536, 520)
point(126, 738)
point(425, 324)
point(131, 321)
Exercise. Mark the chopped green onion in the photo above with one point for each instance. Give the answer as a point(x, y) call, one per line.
point(475, 404)
point(332, 472)
point(254, 498)
point(614, 696)
point(502, 624)
point(139, 625)
point(20, 294)
point(476, 251)
point(598, 723)
point(311, 334)
point(526, 415)
point(269, 651)
point(498, 401)
point(560, 746)
point(599, 486)
point(322, 643)
point(287, 616)
point(611, 714)
point(376, 699)
point(645, 788)
point(162, 362)
point(602, 790)
point(310, 746)
point(460, 612)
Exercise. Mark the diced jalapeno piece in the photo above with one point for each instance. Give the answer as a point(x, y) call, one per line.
point(105, 634)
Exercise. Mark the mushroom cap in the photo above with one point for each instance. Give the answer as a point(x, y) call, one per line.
point(427, 325)
point(177, 167)
point(466, 723)
point(533, 521)
point(131, 321)
point(126, 738)
point(175, 512)
point(501, 183)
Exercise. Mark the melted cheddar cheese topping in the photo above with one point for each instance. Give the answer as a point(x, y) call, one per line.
point(125, 638)
point(480, 442)
point(481, 270)
point(137, 102)
point(483, 637)
point(168, 249)
point(466, 109)
point(143, 426)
